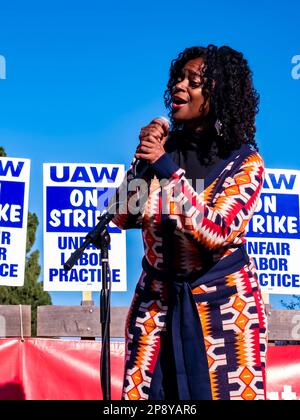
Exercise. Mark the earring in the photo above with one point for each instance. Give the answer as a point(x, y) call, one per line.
point(218, 127)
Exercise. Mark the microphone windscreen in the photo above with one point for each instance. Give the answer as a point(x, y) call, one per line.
point(165, 119)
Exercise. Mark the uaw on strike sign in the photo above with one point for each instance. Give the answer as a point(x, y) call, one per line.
point(274, 233)
point(14, 191)
point(74, 196)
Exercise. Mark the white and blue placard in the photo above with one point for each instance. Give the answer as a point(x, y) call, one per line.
point(274, 233)
point(74, 196)
point(14, 192)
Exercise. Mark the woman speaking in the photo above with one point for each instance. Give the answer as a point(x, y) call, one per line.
point(196, 328)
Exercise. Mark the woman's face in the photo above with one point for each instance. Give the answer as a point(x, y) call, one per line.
point(187, 94)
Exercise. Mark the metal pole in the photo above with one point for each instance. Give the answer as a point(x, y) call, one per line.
point(105, 324)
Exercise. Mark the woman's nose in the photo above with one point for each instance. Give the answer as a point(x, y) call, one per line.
point(181, 85)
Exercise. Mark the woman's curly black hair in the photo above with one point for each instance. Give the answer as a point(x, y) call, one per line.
point(228, 86)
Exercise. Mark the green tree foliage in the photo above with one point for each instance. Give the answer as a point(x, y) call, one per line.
point(32, 292)
point(2, 152)
point(293, 304)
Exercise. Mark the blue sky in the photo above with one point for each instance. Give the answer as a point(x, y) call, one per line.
point(84, 76)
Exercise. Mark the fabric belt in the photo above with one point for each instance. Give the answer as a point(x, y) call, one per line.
point(189, 350)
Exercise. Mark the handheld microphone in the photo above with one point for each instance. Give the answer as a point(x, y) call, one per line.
point(140, 166)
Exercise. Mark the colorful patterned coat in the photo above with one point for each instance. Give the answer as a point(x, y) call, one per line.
point(196, 328)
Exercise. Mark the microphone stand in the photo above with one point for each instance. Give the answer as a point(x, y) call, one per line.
point(100, 238)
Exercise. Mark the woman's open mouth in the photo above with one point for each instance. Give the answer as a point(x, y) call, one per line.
point(177, 106)
point(178, 103)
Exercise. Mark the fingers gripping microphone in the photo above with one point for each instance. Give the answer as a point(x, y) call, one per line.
point(140, 166)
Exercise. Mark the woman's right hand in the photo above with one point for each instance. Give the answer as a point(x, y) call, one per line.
point(152, 140)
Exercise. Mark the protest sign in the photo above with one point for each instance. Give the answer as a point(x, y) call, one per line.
point(74, 196)
point(14, 191)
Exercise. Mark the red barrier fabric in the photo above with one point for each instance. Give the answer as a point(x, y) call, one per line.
point(283, 373)
point(44, 369)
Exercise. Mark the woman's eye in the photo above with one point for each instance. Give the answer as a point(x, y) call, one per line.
point(195, 84)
